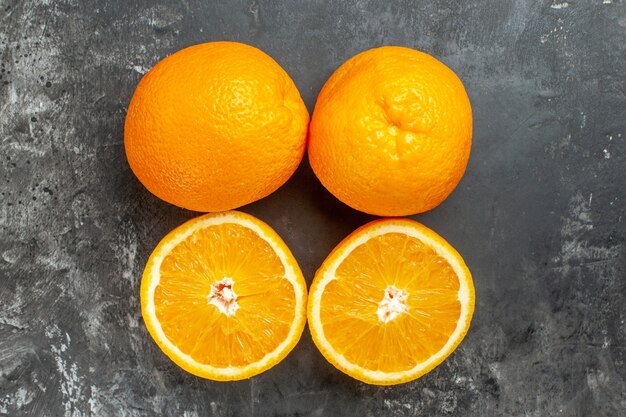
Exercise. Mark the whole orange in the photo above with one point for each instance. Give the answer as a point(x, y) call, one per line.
point(215, 126)
point(391, 132)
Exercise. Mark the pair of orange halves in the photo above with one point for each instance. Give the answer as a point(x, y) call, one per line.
point(220, 125)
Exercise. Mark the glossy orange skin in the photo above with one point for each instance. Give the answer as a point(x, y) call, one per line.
point(391, 132)
point(215, 126)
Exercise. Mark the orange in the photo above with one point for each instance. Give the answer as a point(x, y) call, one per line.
point(223, 296)
point(390, 302)
point(215, 126)
point(391, 132)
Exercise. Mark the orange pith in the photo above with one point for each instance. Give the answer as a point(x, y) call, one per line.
point(390, 303)
point(220, 298)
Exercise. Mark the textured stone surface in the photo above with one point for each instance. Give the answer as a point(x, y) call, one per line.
point(540, 215)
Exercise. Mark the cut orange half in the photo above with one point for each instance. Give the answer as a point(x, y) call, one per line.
point(223, 296)
point(390, 302)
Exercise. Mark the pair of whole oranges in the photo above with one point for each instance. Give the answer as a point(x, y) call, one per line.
point(219, 125)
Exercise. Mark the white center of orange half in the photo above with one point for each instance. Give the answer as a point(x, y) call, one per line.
point(392, 304)
point(223, 296)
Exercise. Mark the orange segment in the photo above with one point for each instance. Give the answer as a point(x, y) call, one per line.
point(223, 297)
point(390, 302)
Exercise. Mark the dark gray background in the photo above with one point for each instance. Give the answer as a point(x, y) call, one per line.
point(539, 217)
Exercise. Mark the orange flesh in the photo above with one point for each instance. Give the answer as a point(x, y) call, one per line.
point(349, 304)
point(266, 299)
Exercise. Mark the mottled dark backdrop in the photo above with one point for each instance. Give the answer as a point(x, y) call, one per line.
point(540, 215)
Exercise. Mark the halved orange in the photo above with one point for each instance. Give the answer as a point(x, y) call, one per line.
point(223, 296)
point(390, 302)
